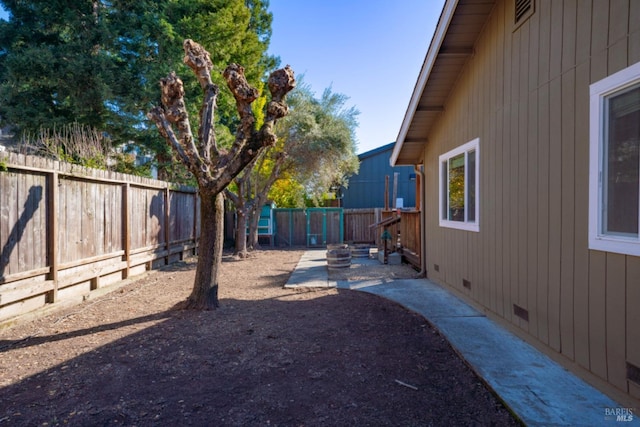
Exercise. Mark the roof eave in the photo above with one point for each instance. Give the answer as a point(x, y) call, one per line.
point(432, 54)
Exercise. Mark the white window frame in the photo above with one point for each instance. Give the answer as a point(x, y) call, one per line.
point(473, 145)
point(599, 90)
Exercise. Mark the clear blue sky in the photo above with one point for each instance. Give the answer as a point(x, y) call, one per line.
point(368, 50)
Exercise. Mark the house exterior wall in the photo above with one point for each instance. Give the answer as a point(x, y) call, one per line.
point(366, 189)
point(525, 94)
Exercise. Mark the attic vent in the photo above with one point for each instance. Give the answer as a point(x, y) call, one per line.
point(523, 10)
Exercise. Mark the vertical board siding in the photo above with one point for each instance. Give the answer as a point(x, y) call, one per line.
point(615, 319)
point(88, 239)
point(597, 314)
point(523, 113)
point(531, 123)
point(501, 282)
point(525, 94)
point(580, 226)
point(633, 315)
point(512, 69)
point(634, 30)
point(568, 209)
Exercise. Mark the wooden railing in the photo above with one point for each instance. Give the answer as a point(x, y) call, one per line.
point(410, 236)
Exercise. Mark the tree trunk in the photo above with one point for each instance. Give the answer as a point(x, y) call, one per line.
point(205, 291)
point(241, 232)
point(254, 220)
point(241, 207)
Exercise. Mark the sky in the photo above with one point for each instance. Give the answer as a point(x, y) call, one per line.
point(369, 50)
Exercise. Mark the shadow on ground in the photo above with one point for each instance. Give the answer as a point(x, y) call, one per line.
point(331, 357)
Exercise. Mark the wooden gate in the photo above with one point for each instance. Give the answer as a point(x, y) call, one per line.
point(324, 226)
point(311, 227)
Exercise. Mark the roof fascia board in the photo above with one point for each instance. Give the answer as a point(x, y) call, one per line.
point(370, 153)
point(432, 54)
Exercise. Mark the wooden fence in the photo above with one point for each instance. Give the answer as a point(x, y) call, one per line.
point(357, 225)
point(316, 227)
point(310, 227)
point(67, 230)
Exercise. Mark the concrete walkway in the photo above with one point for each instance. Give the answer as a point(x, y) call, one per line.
point(539, 391)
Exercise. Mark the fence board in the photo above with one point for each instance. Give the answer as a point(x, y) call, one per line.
point(51, 240)
point(67, 227)
point(357, 225)
point(71, 233)
point(27, 221)
point(10, 256)
point(181, 229)
point(5, 206)
point(88, 219)
point(315, 227)
point(291, 227)
point(333, 226)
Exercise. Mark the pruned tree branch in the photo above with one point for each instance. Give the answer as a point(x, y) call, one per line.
point(174, 112)
point(248, 141)
point(198, 59)
point(212, 167)
point(244, 94)
point(281, 82)
point(158, 115)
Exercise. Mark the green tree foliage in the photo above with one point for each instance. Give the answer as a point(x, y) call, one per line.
point(97, 63)
point(315, 152)
point(318, 142)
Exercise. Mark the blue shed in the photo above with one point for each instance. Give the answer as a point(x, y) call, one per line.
point(366, 189)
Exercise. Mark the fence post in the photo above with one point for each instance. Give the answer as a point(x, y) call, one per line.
point(167, 218)
point(126, 238)
point(52, 235)
point(324, 227)
point(291, 228)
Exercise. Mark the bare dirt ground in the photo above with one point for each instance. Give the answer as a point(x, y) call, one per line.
point(268, 356)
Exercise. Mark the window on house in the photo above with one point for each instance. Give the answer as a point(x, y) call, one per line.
point(614, 188)
point(459, 190)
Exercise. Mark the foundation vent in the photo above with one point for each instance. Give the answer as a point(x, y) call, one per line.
point(466, 283)
point(521, 312)
point(633, 373)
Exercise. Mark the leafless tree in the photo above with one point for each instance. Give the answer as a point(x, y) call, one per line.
point(215, 167)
